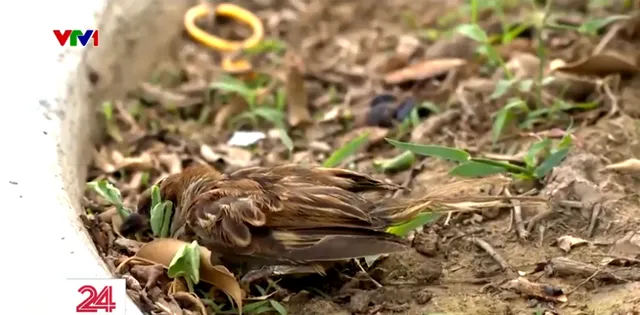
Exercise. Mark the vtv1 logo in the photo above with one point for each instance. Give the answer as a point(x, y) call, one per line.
point(74, 36)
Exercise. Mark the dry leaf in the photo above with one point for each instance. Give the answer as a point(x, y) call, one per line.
point(632, 165)
point(407, 46)
point(432, 124)
point(150, 274)
point(570, 86)
point(540, 290)
point(161, 251)
point(376, 134)
point(423, 70)
point(190, 298)
point(566, 242)
point(603, 64)
point(129, 244)
point(168, 99)
point(177, 285)
point(523, 66)
point(518, 45)
point(297, 98)
point(629, 245)
point(458, 46)
point(101, 161)
point(172, 162)
point(116, 223)
point(235, 106)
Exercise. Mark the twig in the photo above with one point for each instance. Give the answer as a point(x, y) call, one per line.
point(510, 221)
point(487, 248)
point(607, 38)
point(492, 252)
point(517, 217)
point(541, 230)
point(446, 222)
point(595, 212)
point(376, 283)
point(412, 175)
point(614, 101)
point(583, 282)
point(537, 218)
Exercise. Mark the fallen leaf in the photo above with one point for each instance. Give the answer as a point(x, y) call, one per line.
point(168, 99)
point(603, 64)
point(297, 97)
point(540, 290)
point(632, 165)
point(571, 87)
point(518, 45)
point(423, 70)
point(629, 245)
point(523, 66)
point(102, 162)
point(407, 46)
point(177, 285)
point(172, 162)
point(458, 46)
point(149, 274)
point(190, 298)
point(432, 124)
point(566, 242)
point(130, 245)
point(235, 106)
point(161, 251)
point(376, 135)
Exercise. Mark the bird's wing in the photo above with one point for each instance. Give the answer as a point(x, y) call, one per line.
point(289, 197)
point(322, 176)
point(303, 246)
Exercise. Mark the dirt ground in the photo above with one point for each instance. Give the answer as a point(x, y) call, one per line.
point(331, 58)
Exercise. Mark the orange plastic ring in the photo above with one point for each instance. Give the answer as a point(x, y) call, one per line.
point(230, 10)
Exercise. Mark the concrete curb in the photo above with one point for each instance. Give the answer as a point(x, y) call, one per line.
point(50, 139)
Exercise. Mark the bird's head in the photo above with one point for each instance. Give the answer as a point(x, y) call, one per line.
point(171, 188)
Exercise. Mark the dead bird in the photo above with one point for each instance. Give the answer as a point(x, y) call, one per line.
point(288, 215)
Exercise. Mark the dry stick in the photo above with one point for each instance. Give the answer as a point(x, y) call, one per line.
point(595, 212)
point(614, 101)
point(510, 221)
point(583, 282)
point(517, 216)
point(541, 230)
point(487, 248)
point(492, 252)
point(607, 38)
point(376, 283)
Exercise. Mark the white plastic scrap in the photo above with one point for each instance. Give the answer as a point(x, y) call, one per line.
point(245, 138)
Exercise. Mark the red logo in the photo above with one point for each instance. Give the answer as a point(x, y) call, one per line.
point(96, 301)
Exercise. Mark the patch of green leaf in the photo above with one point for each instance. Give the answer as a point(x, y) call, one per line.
point(265, 46)
point(592, 26)
point(477, 166)
point(348, 149)
point(186, 264)
point(161, 213)
point(446, 153)
point(420, 220)
point(505, 116)
point(271, 111)
point(400, 162)
point(473, 31)
point(111, 194)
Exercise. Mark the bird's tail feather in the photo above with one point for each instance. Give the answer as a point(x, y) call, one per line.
point(449, 198)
